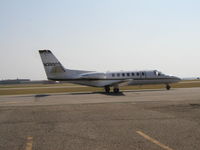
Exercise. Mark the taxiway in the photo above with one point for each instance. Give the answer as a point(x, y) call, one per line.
point(139, 120)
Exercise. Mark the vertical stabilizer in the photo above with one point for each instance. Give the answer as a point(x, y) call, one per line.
point(51, 64)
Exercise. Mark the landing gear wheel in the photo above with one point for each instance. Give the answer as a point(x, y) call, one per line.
point(168, 87)
point(107, 89)
point(116, 90)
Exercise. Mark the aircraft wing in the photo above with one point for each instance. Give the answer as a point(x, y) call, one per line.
point(121, 82)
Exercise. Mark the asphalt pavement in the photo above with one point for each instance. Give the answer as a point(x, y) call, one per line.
point(132, 120)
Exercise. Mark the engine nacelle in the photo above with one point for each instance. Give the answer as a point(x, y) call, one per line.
point(93, 76)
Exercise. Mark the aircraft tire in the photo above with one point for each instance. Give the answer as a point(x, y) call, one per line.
point(168, 87)
point(107, 89)
point(116, 90)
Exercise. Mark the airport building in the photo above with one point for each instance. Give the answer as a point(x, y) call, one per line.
point(25, 81)
point(14, 81)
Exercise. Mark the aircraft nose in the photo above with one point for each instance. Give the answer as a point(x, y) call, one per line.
point(177, 79)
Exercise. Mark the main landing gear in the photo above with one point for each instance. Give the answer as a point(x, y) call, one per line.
point(115, 89)
point(168, 87)
point(107, 89)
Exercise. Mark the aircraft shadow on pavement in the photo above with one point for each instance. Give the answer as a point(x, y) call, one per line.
point(80, 93)
point(116, 94)
point(103, 93)
point(41, 95)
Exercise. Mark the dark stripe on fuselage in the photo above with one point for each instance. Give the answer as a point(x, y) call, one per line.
point(98, 79)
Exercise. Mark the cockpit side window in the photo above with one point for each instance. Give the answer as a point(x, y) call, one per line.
point(157, 73)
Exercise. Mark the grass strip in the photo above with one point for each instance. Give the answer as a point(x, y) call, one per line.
point(81, 89)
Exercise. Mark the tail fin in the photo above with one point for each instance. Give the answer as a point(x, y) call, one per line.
point(51, 64)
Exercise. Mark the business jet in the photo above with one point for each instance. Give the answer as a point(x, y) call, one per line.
point(56, 72)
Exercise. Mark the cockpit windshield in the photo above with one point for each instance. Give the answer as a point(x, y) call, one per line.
point(158, 73)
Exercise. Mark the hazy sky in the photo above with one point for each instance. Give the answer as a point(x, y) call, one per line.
point(101, 35)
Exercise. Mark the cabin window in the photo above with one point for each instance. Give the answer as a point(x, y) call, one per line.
point(113, 75)
point(133, 74)
point(118, 74)
point(128, 74)
point(123, 74)
point(138, 74)
point(142, 73)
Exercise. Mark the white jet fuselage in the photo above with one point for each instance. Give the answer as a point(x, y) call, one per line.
point(100, 79)
point(55, 71)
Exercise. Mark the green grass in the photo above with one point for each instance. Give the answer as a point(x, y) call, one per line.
point(10, 91)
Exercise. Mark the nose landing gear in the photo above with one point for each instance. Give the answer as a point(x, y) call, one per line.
point(168, 87)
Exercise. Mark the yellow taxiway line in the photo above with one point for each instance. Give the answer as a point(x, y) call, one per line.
point(29, 143)
point(153, 140)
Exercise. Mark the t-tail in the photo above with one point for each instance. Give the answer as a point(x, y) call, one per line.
point(54, 69)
